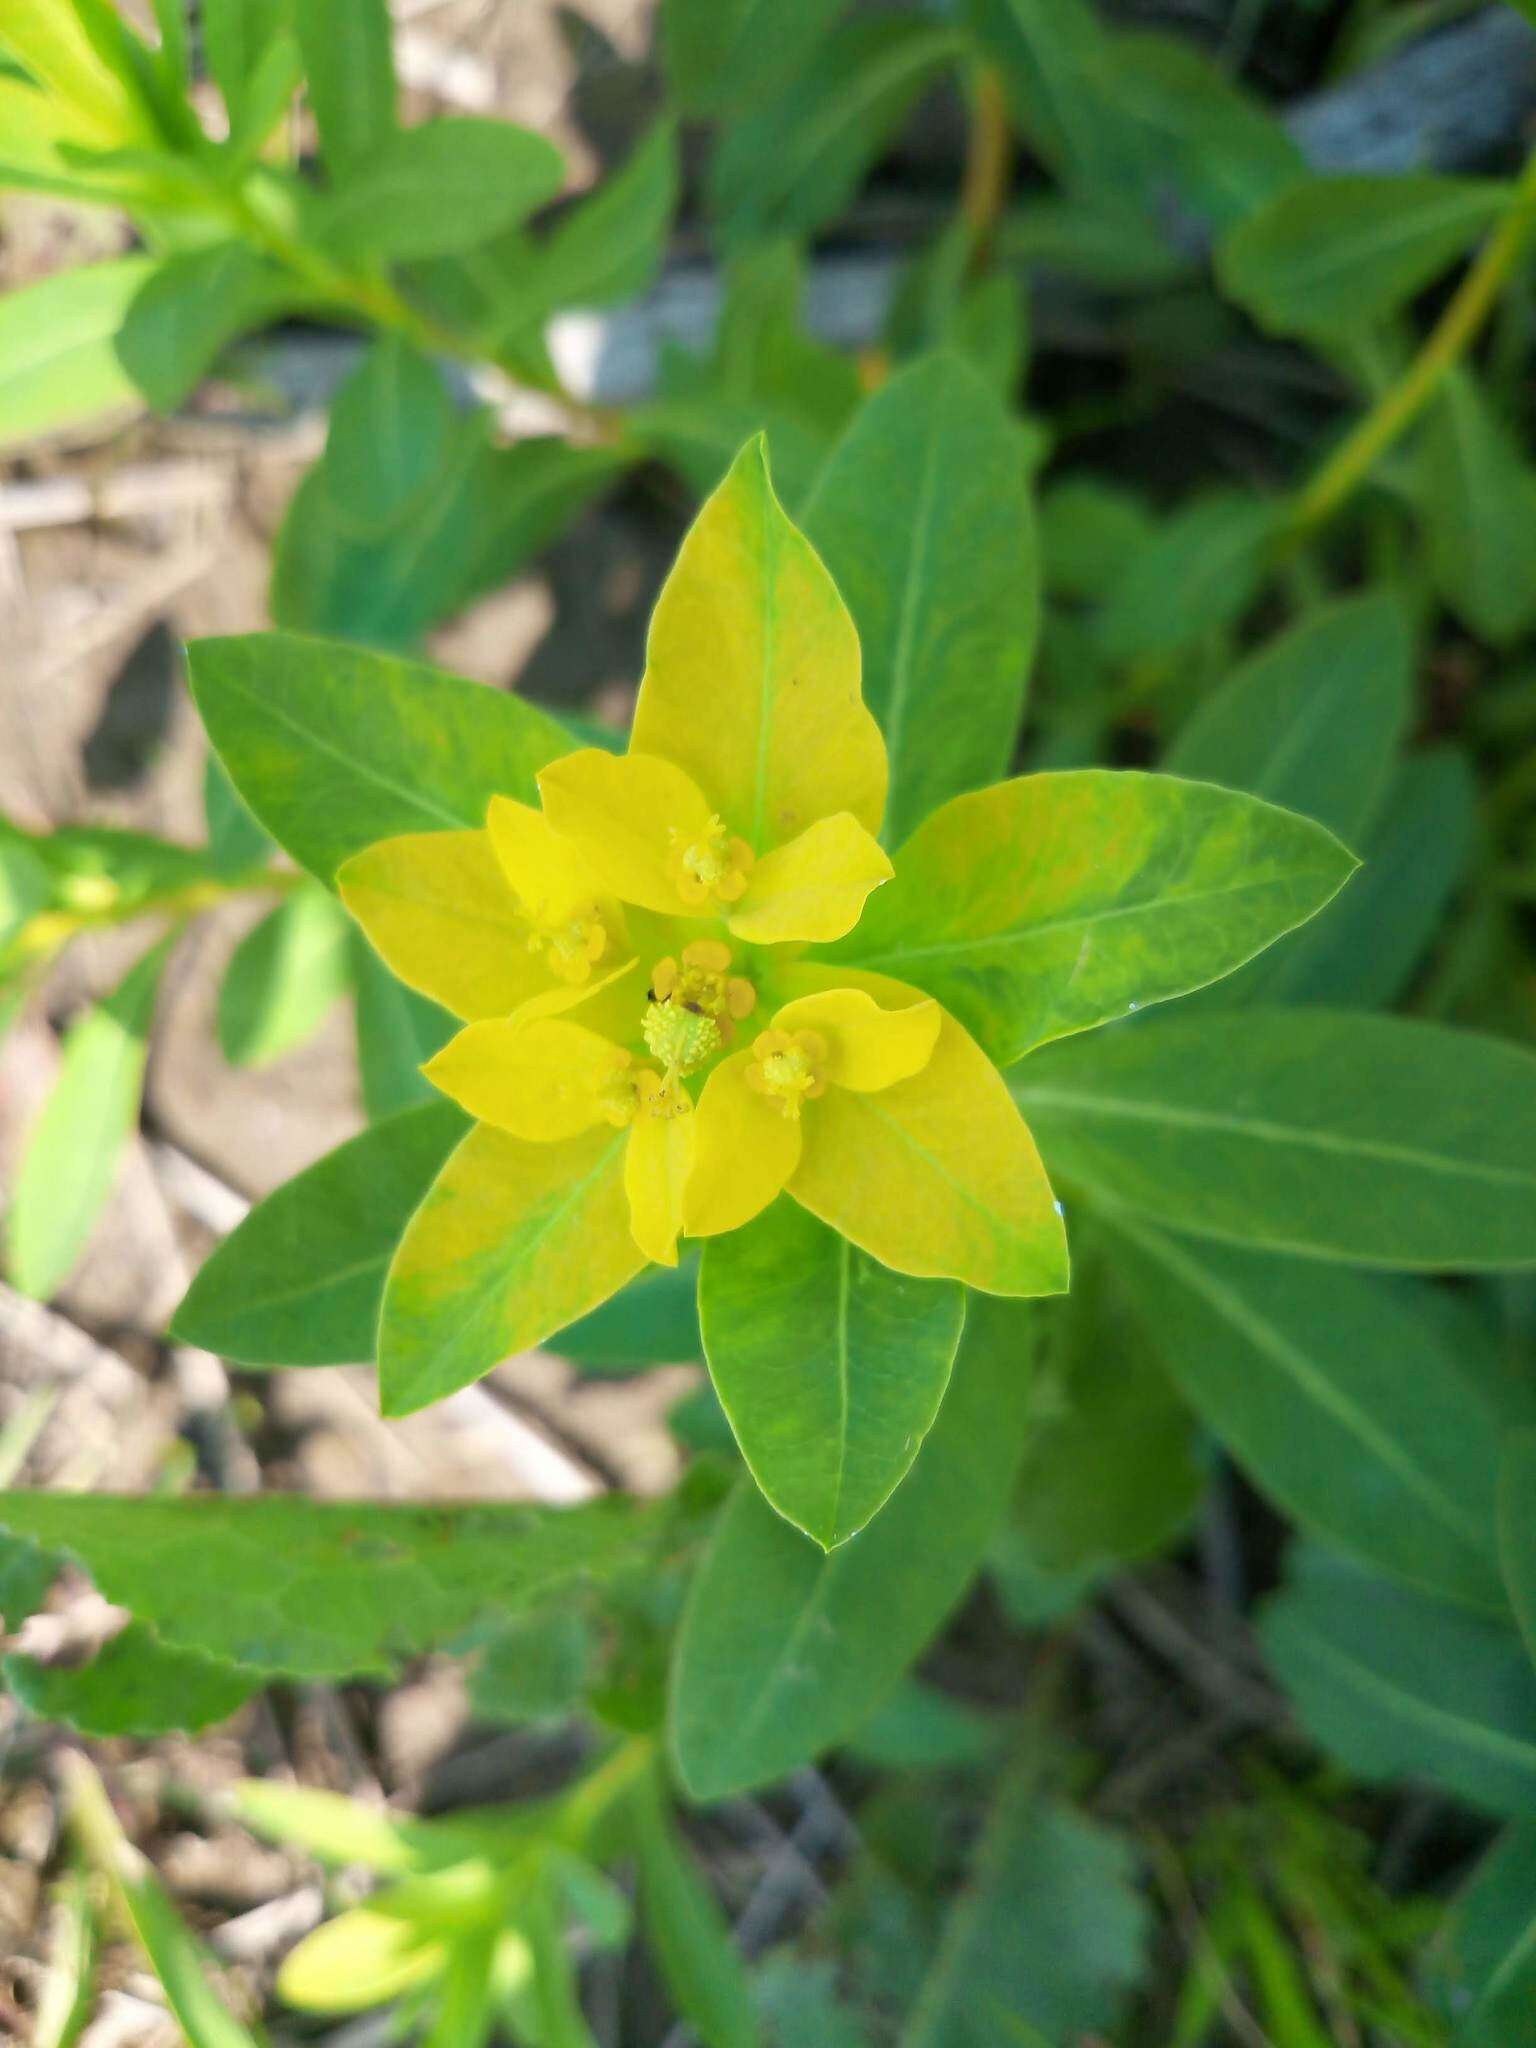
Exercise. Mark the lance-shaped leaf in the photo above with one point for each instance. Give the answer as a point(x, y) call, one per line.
point(830, 1367)
point(1376, 1140)
point(1484, 1954)
point(923, 515)
point(300, 1280)
point(513, 1241)
point(1328, 256)
point(76, 1146)
point(1051, 903)
point(58, 363)
point(1397, 1685)
point(1314, 720)
point(333, 748)
point(320, 1589)
point(752, 672)
point(785, 1649)
point(1343, 1397)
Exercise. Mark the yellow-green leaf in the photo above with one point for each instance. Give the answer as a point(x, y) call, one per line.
point(512, 1242)
point(1050, 903)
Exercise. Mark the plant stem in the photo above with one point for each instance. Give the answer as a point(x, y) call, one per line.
point(1403, 401)
point(380, 303)
point(988, 163)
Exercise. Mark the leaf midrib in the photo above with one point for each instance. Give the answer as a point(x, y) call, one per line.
point(1473, 1735)
point(1267, 1339)
point(1021, 936)
point(1134, 1110)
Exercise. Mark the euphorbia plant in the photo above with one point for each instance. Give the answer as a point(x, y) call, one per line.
point(694, 988)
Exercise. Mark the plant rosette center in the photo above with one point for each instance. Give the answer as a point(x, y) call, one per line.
point(693, 984)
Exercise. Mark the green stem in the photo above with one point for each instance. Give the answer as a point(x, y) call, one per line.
point(988, 163)
point(1401, 404)
point(380, 303)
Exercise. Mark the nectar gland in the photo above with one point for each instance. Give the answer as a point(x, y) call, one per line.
point(572, 947)
point(694, 1006)
point(715, 866)
point(788, 1067)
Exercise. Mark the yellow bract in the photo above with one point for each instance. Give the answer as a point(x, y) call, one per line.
point(642, 1017)
point(752, 672)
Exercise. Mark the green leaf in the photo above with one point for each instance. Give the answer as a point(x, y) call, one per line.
point(1342, 1398)
point(283, 978)
point(1333, 254)
point(76, 1145)
point(1050, 56)
point(1108, 243)
point(333, 748)
point(793, 163)
point(190, 309)
point(350, 72)
point(1220, 149)
point(919, 1728)
point(1047, 1938)
point(1517, 1529)
point(1397, 1685)
point(1477, 496)
point(391, 426)
point(443, 186)
point(784, 1650)
point(1363, 950)
point(830, 1367)
point(397, 1033)
point(178, 1959)
point(58, 362)
point(1376, 1140)
point(26, 886)
point(240, 39)
point(652, 1321)
point(235, 841)
point(721, 52)
point(136, 1685)
point(299, 1281)
point(1110, 1471)
point(526, 496)
point(26, 1576)
point(923, 517)
point(1048, 904)
point(534, 1668)
point(1484, 1956)
point(1087, 528)
point(384, 584)
point(686, 1928)
point(319, 1589)
point(512, 1242)
point(611, 243)
point(1314, 720)
point(1201, 571)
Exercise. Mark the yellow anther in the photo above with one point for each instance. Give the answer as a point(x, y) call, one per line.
point(714, 867)
point(787, 1068)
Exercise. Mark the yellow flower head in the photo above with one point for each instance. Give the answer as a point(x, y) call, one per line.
point(607, 949)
